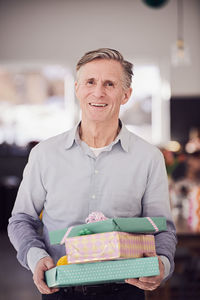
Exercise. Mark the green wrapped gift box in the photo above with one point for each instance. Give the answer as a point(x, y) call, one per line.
point(132, 225)
point(101, 272)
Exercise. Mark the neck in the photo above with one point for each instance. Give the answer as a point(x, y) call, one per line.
point(99, 134)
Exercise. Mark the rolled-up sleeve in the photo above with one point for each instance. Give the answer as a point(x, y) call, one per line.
point(24, 225)
point(156, 203)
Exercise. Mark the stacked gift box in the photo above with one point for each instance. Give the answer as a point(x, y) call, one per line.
point(110, 250)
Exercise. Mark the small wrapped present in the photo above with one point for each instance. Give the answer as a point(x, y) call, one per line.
point(108, 246)
point(131, 225)
point(101, 272)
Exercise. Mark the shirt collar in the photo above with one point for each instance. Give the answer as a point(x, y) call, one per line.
point(72, 136)
point(123, 137)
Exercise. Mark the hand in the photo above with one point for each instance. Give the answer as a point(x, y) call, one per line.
point(44, 264)
point(149, 283)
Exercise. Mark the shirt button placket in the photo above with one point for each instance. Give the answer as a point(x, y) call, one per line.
point(94, 186)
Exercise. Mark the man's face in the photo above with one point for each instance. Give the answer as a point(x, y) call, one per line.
point(100, 90)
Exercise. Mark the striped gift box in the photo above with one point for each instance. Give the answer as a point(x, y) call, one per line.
point(108, 246)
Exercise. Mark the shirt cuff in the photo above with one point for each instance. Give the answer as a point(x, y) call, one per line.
point(166, 264)
point(34, 255)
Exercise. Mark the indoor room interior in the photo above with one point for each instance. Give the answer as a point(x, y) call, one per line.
point(40, 44)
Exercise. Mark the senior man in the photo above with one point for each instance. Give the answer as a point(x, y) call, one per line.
point(96, 166)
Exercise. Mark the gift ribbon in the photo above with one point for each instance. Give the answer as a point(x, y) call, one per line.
point(95, 216)
point(66, 235)
point(87, 231)
point(84, 231)
point(153, 224)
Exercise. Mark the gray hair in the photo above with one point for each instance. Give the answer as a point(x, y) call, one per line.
point(106, 53)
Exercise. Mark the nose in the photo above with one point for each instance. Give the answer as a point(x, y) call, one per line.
point(99, 90)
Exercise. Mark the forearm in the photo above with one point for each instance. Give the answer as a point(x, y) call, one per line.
point(166, 264)
point(24, 225)
point(23, 231)
point(34, 255)
point(156, 204)
point(166, 245)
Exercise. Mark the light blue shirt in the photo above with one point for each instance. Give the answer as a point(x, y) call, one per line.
point(65, 178)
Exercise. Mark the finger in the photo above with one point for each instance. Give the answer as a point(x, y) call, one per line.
point(39, 282)
point(43, 265)
point(148, 284)
point(41, 285)
point(146, 287)
point(134, 282)
point(149, 254)
point(46, 290)
point(42, 288)
point(54, 290)
point(49, 264)
point(141, 285)
point(151, 280)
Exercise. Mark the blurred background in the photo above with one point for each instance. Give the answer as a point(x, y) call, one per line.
point(40, 44)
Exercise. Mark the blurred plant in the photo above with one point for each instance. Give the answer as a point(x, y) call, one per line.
point(172, 160)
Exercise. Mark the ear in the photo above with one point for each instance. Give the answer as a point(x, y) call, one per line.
point(127, 94)
point(76, 86)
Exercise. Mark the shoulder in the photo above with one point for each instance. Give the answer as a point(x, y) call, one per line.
point(139, 146)
point(55, 141)
point(52, 144)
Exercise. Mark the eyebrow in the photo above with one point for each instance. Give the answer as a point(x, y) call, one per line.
point(91, 78)
point(106, 80)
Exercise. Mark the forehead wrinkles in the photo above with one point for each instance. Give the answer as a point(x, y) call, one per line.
point(114, 72)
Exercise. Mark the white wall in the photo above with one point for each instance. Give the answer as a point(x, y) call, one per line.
point(63, 30)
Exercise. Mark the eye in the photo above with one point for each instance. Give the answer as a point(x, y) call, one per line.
point(90, 81)
point(109, 83)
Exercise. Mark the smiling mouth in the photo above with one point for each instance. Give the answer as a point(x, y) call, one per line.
point(98, 104)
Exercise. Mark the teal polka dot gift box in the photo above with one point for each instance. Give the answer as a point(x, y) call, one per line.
point(101, 272)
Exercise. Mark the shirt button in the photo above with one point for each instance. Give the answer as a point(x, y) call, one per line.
point(96, 171)
point(93, 196)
